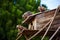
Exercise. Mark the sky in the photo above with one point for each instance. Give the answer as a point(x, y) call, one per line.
point(51, 4)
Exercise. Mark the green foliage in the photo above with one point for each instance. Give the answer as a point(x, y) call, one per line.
point(11, 14)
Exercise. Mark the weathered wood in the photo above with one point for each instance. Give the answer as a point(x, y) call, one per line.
point(39, 20)
point(29, 33)
point(46, 13)
point(42, 19)
point(31, 17)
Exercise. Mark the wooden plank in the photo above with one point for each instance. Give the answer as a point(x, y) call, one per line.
point(29, 33)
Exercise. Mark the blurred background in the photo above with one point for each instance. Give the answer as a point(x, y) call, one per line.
point(11, 14)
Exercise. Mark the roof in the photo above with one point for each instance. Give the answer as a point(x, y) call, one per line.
point(31, 17)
